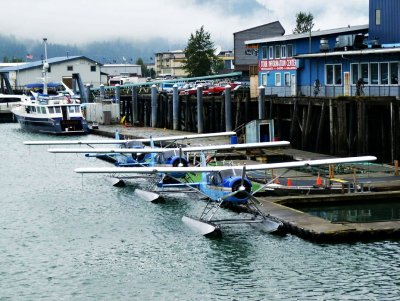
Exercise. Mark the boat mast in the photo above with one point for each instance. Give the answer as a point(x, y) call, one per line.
point(45, 67)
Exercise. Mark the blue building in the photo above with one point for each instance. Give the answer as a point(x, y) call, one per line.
point(339, 60)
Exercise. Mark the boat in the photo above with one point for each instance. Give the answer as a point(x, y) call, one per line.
point(7, 102)
point(55, 114)
point(58, 114)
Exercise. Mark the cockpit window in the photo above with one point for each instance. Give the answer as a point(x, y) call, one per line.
point(231, 173)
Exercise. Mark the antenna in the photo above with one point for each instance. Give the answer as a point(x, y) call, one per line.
point(45, 67)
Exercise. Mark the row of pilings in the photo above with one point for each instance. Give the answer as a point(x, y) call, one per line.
point(341, 126)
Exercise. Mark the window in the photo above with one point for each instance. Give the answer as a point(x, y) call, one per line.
point(354, 73)
point(289, 50)
point(364, 73)
point(338, 74)
point(384, 73)
point(377, 17)
point(70, 68)
point(43, 109)
point(394, 73)
point(93, 68)
point(278, 51)
point(334, 74)
point(51, 110)
point(57, 109)
point(277, 79)
point(329, 74)
point(374, 67)
point(287, 79)
point(71, 109)
point(271, 52)
point(283, 51)
point(264, 79)
point(264, 53)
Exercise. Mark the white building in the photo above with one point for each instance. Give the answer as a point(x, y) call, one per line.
point(60, 70)
point(122, 70)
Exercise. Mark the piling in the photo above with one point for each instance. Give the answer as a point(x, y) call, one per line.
point(228, 108)
point(154, 105)
point(200, 109)
point(175, 108)
point(102, 92)
point(87, 92)
point(117, 93)
point(135, 106)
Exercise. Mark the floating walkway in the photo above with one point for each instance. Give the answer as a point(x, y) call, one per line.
point(321, 230)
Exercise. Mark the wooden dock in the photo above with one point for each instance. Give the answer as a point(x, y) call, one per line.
point(320, 230)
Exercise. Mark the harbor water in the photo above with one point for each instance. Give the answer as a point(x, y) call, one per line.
point(68, 237)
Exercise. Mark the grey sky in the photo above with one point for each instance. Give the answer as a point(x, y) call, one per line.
point(82, 21)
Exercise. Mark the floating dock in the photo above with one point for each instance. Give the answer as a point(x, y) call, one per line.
point(379, 184)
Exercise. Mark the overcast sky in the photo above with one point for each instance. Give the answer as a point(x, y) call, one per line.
point(77, 22)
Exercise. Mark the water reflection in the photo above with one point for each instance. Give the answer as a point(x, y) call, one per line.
point(365, 212)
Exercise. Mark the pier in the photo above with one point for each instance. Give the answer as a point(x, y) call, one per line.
point(338, 126)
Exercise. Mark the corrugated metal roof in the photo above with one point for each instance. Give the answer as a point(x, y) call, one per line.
point(307, 34)
point(349, 52)
point(54, 60)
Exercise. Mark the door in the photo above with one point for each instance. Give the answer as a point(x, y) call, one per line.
point(346, 84)
point(293, 85)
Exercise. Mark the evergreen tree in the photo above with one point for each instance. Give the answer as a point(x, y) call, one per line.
point(143, 67)
point(304, 22)
point(199, 54)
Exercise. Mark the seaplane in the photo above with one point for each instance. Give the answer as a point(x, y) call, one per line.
point(173, 157)
point(222, 185)
point(119, 157)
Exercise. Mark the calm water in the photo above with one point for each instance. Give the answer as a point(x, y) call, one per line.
point(365, 212)
point(67, 239)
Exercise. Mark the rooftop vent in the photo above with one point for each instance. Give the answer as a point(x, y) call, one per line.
point(324, 46)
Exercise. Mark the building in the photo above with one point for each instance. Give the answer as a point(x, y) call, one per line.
point(246, 55)
point(170, 64)
point(60, 70)
point(227, 58)
point(338, 59)
point(122, 70)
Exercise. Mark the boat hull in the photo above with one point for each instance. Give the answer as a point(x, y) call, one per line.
point(51, 126)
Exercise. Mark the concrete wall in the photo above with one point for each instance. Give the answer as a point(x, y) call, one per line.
point(94, 112)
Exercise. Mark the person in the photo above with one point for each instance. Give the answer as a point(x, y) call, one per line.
point(360, 87)
point(317, 84)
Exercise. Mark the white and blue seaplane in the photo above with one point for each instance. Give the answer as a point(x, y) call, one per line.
point(222, 185)
point(136, 152)
point(172, 157)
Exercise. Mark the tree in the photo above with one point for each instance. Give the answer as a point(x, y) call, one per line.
point(199, 54)
point(304, 22)
point(143, 67)
point(218, 65)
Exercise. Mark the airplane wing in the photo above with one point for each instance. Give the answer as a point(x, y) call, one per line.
point(200, 169)
point(161, 150)
point(114, 141)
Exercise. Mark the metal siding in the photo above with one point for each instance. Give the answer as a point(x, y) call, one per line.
point(388, 32)
point(268, 30)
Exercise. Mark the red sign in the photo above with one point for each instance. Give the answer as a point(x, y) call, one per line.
point(277, 64)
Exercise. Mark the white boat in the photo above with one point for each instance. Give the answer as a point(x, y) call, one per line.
point(55, 114)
